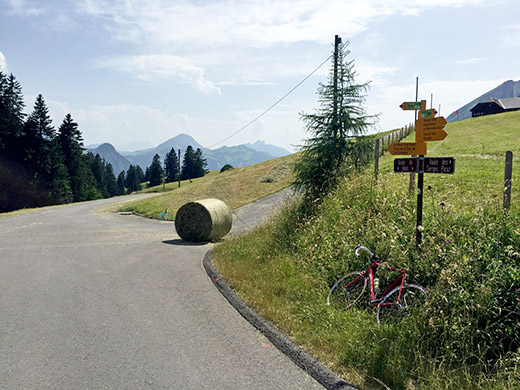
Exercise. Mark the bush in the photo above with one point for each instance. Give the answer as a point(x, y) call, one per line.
point(226, 168)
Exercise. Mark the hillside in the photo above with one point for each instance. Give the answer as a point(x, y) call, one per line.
point(508, 89)
point(467, 335)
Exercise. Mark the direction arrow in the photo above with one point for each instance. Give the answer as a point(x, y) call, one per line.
point(413, 105)
point(430, 129)
point(407, 148)
point(428, 113)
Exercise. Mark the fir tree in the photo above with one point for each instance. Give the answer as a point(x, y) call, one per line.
point(81, 179)
point(121, 183)
point(336, 129)
point(39, 137)
point(199, 164)
point(110, 180)
point(171, 166)
point(11, 118)
point(188, 163)
point(155, 172)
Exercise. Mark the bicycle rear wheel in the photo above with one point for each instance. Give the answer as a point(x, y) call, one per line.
point(347, 290)
point(391, 308)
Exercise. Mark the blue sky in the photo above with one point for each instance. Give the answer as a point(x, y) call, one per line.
point(138, 72)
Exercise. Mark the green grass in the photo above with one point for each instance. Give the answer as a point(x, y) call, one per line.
point(467, 336)
point(236, 187)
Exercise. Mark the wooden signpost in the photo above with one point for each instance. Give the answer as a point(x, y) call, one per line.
point(428, 127)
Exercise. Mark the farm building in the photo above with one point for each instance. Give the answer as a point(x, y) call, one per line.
point(495, 106)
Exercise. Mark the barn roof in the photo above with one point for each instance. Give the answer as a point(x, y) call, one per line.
point(505, 103)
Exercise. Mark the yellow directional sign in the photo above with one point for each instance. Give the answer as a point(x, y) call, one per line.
point(407, 148)
point(414, 105)
point(430, 129)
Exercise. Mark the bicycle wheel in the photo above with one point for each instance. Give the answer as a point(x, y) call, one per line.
point(412, 297)
point(347, 290)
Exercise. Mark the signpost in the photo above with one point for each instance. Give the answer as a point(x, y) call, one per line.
point(428, 128)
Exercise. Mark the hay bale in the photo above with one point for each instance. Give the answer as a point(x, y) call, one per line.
point(203, 220)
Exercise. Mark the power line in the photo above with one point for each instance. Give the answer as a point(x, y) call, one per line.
point(274, 105)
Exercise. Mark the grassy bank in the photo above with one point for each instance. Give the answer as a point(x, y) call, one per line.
point(236, 187)
point(468, 336)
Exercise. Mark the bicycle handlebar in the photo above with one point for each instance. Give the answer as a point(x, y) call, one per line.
point(362, 248)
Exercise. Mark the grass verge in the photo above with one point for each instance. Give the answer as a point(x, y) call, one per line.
point(467, 336)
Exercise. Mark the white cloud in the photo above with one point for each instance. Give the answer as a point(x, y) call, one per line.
point(161, 66)
point(26, 8)
point(3, 63)
point(247, 23)
point(511, 37)
point(470, 61)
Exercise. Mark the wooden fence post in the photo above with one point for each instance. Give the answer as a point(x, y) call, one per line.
point(376, 159)
point(507, 180)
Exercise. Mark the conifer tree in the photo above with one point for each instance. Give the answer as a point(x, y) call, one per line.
point(188, 163)
point(335, 130)
point(171, 166)
point(121, 183)
point(155, 172)
point(39, 136)
point(11, 117)
point(199, 164)
point(81, 179)
point(110, 180)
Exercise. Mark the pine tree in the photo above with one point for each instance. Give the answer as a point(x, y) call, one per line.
point(188, 163)
point(171, 166)
point(11, 118)
point(155, 172)
point(133, 180)
point(110, 178)
point(39, 136)
point(199, 164)
point(71, 143)
point(336, 129)
point(121, 183)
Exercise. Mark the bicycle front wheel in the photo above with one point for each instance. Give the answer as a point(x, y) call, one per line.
point(394, 308)
point(347, 290)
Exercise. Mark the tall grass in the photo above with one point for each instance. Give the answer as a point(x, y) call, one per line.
point(466, 337)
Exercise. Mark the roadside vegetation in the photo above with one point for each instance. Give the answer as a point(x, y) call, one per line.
point(468, 336)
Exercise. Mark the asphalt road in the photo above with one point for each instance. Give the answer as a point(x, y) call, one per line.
point(97, 300)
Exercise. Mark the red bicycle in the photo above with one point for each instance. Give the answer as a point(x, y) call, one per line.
point(394, 302)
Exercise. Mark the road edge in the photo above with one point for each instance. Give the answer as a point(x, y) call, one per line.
point(317, 370)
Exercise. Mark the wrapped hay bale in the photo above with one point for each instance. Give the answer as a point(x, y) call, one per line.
point(203, 220)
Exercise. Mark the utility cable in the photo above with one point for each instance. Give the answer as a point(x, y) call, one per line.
point(273, 106)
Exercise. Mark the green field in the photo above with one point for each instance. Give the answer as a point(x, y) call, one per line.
point(467, 337)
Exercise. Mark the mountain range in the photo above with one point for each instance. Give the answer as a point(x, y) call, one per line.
point(237, 156)
point(508, 89)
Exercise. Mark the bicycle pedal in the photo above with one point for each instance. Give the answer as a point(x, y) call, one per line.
point(376, 300)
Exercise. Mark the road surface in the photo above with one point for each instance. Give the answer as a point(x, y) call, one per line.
point(99, 300)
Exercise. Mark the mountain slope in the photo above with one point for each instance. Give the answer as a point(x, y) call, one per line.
point(508, 89)
point(261, 146)
point(237, 156)
point(111, 155)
